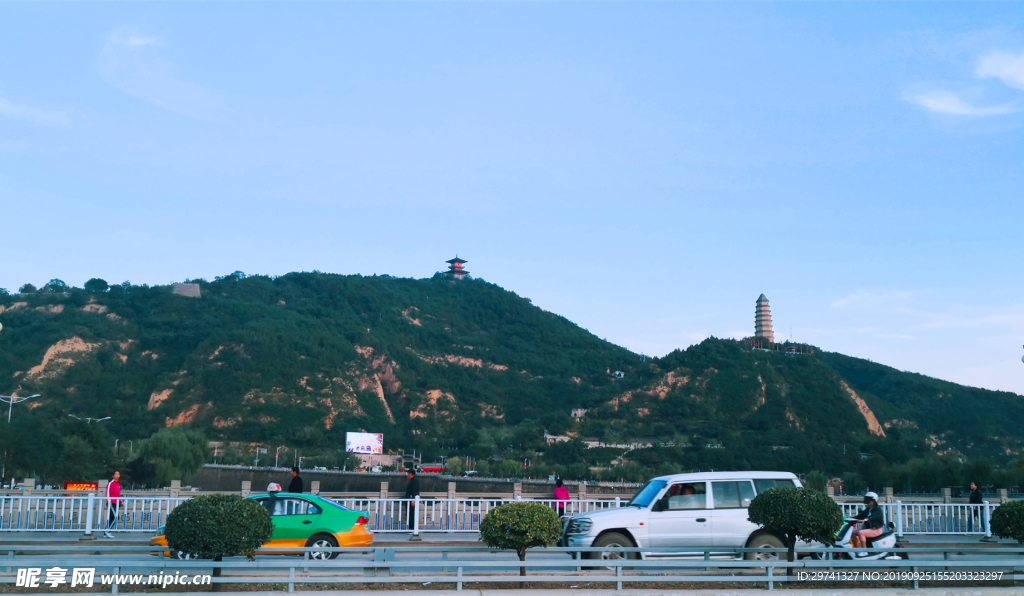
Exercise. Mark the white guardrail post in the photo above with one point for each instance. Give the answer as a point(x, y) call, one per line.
point(416, 519)
point(986, 515)
point(89, 512)
point(899, 519)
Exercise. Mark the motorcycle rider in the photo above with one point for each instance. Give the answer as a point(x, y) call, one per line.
point(874, 521)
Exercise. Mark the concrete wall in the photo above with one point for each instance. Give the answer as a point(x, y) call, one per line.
point(229, 478)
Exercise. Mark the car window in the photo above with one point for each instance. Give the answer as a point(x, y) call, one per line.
point(732, 495)
point(683, 495)
point(764, 484)
point(726, 495)
point(645, 495)
point(746, 493)
point(288, 506)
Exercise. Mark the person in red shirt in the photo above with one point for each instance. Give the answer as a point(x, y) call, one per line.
point(113, 502)
point(561, 495)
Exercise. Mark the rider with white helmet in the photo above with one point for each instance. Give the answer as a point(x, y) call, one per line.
point(874, 521)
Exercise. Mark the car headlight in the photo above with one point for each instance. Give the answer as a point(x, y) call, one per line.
point(579, 526)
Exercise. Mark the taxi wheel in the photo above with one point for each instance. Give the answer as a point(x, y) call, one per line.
point(177, 554)
point(322, 541)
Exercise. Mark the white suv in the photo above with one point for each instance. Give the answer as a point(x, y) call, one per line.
point(699, 510)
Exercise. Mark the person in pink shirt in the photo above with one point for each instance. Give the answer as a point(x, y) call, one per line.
point(561, 495)
point(113, 502)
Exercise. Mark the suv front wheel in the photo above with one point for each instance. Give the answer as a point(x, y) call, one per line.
point(612, 540)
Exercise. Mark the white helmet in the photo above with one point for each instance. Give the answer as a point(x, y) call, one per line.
point(273, 487)
point(871, 495)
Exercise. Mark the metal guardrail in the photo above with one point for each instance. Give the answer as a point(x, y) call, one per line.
point(91, 513)
point(933, 518)
point(460, 565)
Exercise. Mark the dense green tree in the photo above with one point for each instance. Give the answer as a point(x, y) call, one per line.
point(176, 453)
point(96, 285)
point(55, 286)
point(27, 289)
point(815, 480)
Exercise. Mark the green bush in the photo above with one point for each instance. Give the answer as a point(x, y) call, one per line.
point(216, 526)
point(792, 513)
point(519, 526)
point(1008, 521)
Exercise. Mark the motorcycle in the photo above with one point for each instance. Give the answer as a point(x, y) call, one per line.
point(841, 546)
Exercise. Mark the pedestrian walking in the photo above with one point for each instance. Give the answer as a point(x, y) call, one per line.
point(561, 496)
point(295, 486)
point(412, 490)
point(976, 514)
point(113, 502)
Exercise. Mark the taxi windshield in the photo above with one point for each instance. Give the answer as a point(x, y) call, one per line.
point(645, 496)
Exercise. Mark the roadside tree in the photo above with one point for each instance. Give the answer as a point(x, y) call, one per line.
point(218, 526)
point(519, 526)
point(792, 513)
point(1008, 521)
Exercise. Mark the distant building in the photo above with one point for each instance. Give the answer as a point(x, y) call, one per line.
point(579, 412)
point(549, 439)
point(187, 290)
point(455, 267)
point(763, 320)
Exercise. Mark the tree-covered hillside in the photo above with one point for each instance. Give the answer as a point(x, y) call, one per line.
point(459, 368)
point(302, 358)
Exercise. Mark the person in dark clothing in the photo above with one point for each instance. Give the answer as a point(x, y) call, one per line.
point(412, 490)
point(295, 486)
point(975, 511)
point(874, 521)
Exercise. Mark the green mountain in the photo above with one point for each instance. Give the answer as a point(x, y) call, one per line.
point(456, 367)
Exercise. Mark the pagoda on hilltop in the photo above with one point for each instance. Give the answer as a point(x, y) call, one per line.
point(763, 320)
point(455, 269)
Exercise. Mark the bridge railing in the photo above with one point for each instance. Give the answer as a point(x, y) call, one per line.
point(933, 518)
point(113, 567)
point(88, 513)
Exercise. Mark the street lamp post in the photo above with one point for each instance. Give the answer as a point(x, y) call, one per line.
point(91, 420)
point(13, 399)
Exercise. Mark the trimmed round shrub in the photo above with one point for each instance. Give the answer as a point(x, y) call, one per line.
point(519, 526)
point(1008, 521)
point(216, 526)
point(792, 513)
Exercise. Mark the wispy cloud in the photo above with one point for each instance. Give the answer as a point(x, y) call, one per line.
point(945, 102)
point(36, 115)
point(862, 297)
point(1007, 67)
point(129, 62)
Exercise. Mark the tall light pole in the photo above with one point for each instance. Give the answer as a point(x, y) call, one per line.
point(13, 399)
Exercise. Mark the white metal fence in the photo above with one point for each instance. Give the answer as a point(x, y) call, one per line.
point(84, 513)
point(88, 513)
point(933, 518)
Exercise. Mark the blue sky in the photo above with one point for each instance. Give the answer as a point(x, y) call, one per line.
point(646, 170)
